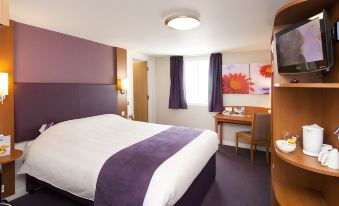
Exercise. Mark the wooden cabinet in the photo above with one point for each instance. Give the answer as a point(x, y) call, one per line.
point(298, 179)
point(4, 12)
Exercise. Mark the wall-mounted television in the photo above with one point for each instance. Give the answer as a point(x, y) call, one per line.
point(306, 46)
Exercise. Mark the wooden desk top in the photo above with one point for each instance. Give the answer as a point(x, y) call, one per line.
point(15, 154)
point(246, 119)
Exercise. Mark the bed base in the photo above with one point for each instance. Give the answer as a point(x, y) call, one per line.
point(193, 196)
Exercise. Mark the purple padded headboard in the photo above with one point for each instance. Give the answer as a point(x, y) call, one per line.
point(36, 104)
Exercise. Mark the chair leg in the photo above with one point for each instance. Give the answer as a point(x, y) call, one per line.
point(236, 143)
point(252, 148)
point(267, 153)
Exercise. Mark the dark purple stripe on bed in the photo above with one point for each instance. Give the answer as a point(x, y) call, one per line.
point(125, 177)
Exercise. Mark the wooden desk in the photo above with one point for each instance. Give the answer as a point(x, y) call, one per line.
point(221, 118)
point(243, 120)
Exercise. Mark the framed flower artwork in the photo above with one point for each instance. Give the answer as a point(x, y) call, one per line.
point(236, 79)
point(260, 75)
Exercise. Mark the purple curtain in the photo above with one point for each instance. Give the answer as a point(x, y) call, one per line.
point(215, 97)
point(177, 98)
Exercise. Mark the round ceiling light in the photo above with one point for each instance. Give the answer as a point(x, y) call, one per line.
point(182, 22)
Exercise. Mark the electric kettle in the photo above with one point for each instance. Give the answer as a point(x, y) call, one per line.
point(312, 139)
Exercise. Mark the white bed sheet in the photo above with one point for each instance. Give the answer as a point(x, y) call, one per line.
point(70, 155)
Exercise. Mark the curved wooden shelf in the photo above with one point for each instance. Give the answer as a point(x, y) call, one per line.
point(308, 85)
point(298, 179)
point(299, 10)
point(299, 159)
point(289, 194)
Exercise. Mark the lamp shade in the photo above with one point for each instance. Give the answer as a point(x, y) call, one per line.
point(124, 84)
point(3, 84)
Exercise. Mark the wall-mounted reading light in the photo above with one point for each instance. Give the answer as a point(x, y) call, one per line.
point(122, 85)
point(3, 86)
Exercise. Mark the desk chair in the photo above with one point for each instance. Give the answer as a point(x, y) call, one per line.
point(259, 133)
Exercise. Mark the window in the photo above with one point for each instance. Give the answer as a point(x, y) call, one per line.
point(196, 80)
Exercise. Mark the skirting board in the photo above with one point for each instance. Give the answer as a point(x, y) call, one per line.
point(18, 193)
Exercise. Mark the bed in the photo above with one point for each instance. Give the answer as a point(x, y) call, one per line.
point(69, 157)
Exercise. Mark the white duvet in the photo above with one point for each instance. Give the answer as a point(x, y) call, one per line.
point(70, 155)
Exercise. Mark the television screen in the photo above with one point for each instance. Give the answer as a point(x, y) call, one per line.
point(301, 45)
point(305, 47)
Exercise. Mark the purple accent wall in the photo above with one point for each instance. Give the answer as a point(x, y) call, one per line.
point(43, 56)
point(40, 103)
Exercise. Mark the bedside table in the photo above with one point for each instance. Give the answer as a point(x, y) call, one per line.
point(15, 154)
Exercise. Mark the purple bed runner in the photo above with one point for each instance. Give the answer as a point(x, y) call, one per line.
point(125, 176)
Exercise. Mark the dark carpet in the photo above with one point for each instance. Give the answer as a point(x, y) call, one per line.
point(238, 183)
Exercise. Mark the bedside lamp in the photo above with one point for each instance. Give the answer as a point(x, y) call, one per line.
point(3, 86)
point(122, 85)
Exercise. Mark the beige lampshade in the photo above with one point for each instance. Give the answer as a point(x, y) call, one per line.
point(3, 84)
point(124, 84)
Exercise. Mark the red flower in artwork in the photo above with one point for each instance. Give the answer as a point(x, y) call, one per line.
point(236, 83)
point(266, 70)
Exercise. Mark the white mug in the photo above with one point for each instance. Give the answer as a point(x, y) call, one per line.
point(322, 157)
point(333, 159)
point(326, 147)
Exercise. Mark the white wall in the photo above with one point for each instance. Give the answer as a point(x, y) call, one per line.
point(198, 116)
point(151, 83)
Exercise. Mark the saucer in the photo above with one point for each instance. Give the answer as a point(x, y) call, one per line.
point(284, 146)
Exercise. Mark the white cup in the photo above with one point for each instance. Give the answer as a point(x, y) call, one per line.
point(322, 157)
point(333, 159)
point(324, 151)
point(326, 147)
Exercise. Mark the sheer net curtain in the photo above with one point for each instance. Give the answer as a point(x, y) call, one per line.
point(196, 80)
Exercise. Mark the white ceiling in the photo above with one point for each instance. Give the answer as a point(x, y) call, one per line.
point(226, 25)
